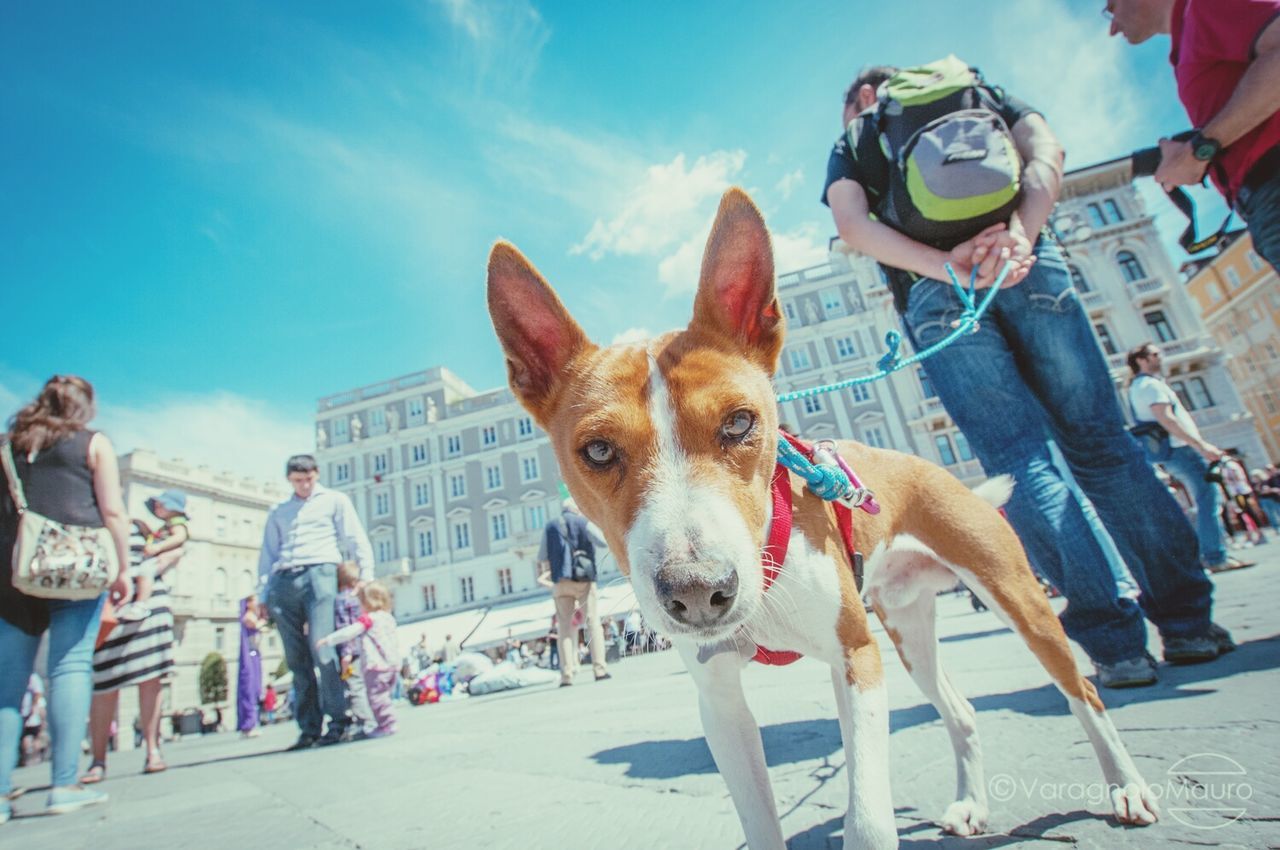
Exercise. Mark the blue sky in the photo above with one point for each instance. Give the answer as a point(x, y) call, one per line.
point(219, 212)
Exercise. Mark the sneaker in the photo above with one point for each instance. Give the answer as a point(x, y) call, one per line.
point(1195, 650)
point(6, 810)
point(1131, 673)
point(331, 737)
point(566, 684)
point(73, 797)
point(605, 676)
point(1229, 564)
point(133, 612)
point(304, 742)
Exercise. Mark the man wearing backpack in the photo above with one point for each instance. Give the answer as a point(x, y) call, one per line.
point(567, 564)
point(1226, 59)
point(956, 171)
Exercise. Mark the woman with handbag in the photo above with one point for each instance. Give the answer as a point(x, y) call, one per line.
point(63, 536)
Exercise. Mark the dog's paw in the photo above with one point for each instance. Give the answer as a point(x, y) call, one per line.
point(965, 817)
point(1134, 804)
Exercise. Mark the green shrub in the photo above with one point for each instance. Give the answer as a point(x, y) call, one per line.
point(213, 678)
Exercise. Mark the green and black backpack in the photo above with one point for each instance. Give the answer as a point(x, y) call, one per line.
point(940, 161)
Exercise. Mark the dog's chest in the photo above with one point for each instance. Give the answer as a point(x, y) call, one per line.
point(799, 613)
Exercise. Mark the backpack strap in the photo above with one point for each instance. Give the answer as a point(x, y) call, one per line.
point(869, 156)
point(15, 483)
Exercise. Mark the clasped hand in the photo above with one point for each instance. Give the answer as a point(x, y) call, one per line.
point(989, 251)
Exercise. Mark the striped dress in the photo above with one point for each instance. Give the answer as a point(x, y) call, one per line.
point(138, 651)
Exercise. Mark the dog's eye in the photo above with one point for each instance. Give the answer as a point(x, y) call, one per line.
point(738, 425)
point(599, 453)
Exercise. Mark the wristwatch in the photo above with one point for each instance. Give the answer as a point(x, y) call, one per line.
point(1204, 148)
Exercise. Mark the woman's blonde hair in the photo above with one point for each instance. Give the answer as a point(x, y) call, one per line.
point(64, 406)
point(374, 596)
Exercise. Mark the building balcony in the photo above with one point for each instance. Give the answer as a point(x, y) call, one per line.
point(1147, 288)
point(1094, 300)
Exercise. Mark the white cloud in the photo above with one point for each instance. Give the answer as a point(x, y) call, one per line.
point(223, 431)
point(507, 38)
point(632, 336)
point(799, 247)
point(670, 201)
point(789, 182)
point(679, 272)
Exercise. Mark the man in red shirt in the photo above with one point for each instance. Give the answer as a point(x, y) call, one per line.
point(1226, 59)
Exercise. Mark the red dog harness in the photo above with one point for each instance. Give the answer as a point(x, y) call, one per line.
point(775, 549)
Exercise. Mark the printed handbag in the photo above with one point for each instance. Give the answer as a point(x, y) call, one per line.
point(53, 560)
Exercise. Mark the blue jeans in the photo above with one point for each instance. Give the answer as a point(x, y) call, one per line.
point(1034, 366)
point(1271, 508)
point(73, 629)
point(1186, 464)
point(1260, 209)
point(301, 597)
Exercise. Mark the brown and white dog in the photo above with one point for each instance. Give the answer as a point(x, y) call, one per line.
point(669, 446)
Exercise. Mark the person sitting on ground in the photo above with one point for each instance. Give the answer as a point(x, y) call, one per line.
point(163, 548)
point(376, 630)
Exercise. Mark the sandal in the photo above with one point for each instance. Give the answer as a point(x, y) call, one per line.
point(155, 767)
point(95, 774)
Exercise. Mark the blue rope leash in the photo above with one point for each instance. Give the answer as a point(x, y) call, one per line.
point(890, 362)
point(828, 482)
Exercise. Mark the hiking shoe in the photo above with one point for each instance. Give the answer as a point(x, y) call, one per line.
point(73, 797)
point(1131, 673)
point(304, 742)
point(1229, 564)
point(1195, 650)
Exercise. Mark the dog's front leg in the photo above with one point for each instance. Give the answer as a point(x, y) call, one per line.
point(863, 705)
point(734, 739)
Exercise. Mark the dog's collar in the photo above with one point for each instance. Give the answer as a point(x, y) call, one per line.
point(779, 535)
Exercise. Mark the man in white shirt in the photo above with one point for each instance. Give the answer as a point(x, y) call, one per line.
point(306, 537)
point(1189, 456)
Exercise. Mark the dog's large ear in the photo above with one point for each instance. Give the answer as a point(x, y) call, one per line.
point(736, 297)
point(537, 334)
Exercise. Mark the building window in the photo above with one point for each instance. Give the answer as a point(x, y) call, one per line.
point(377, 420)
point(415, 408)
point(529, 468)
point(1200, 393)
point(1104, 338)
point(457, 485)
point(1215, 292)
point(339, 427)
point(1113, 211)
point(524, 426)
point(219, 639)
point(380, 463)
point(812, 404)
point(789, 308)
point(860, 392)
point(384, 550)
point(1233, 278)
point(1159, 325)
point(381, 503)
point(418, 453)
point(799, 359)
point(1130, 267)
point(429, 597)
point(845, 349)
point(422, 494)
point(498, 527)
point(468, 589)
point(504, 581)
point(426, 543)
point(945, 453)
point(1078, 280)
point(1255, 262)
point(453, 445)
point(1095, 215)
point(833, 303)
point(489, 435)
point(1180, 389)
point(926, 386)
point(962, 446)
point(537, 517)
point(220, 583)
point(873, 437)
point(220, 526)
point(341, 472)
point(493, 478)
point(462, 534)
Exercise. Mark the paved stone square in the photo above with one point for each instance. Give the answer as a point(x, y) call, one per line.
point(622, 764)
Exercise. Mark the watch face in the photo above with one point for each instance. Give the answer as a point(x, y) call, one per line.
point(1204, 149)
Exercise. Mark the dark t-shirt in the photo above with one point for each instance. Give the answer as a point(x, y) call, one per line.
point(841, 165)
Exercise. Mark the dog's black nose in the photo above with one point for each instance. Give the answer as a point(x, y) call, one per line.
point(694, 599)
